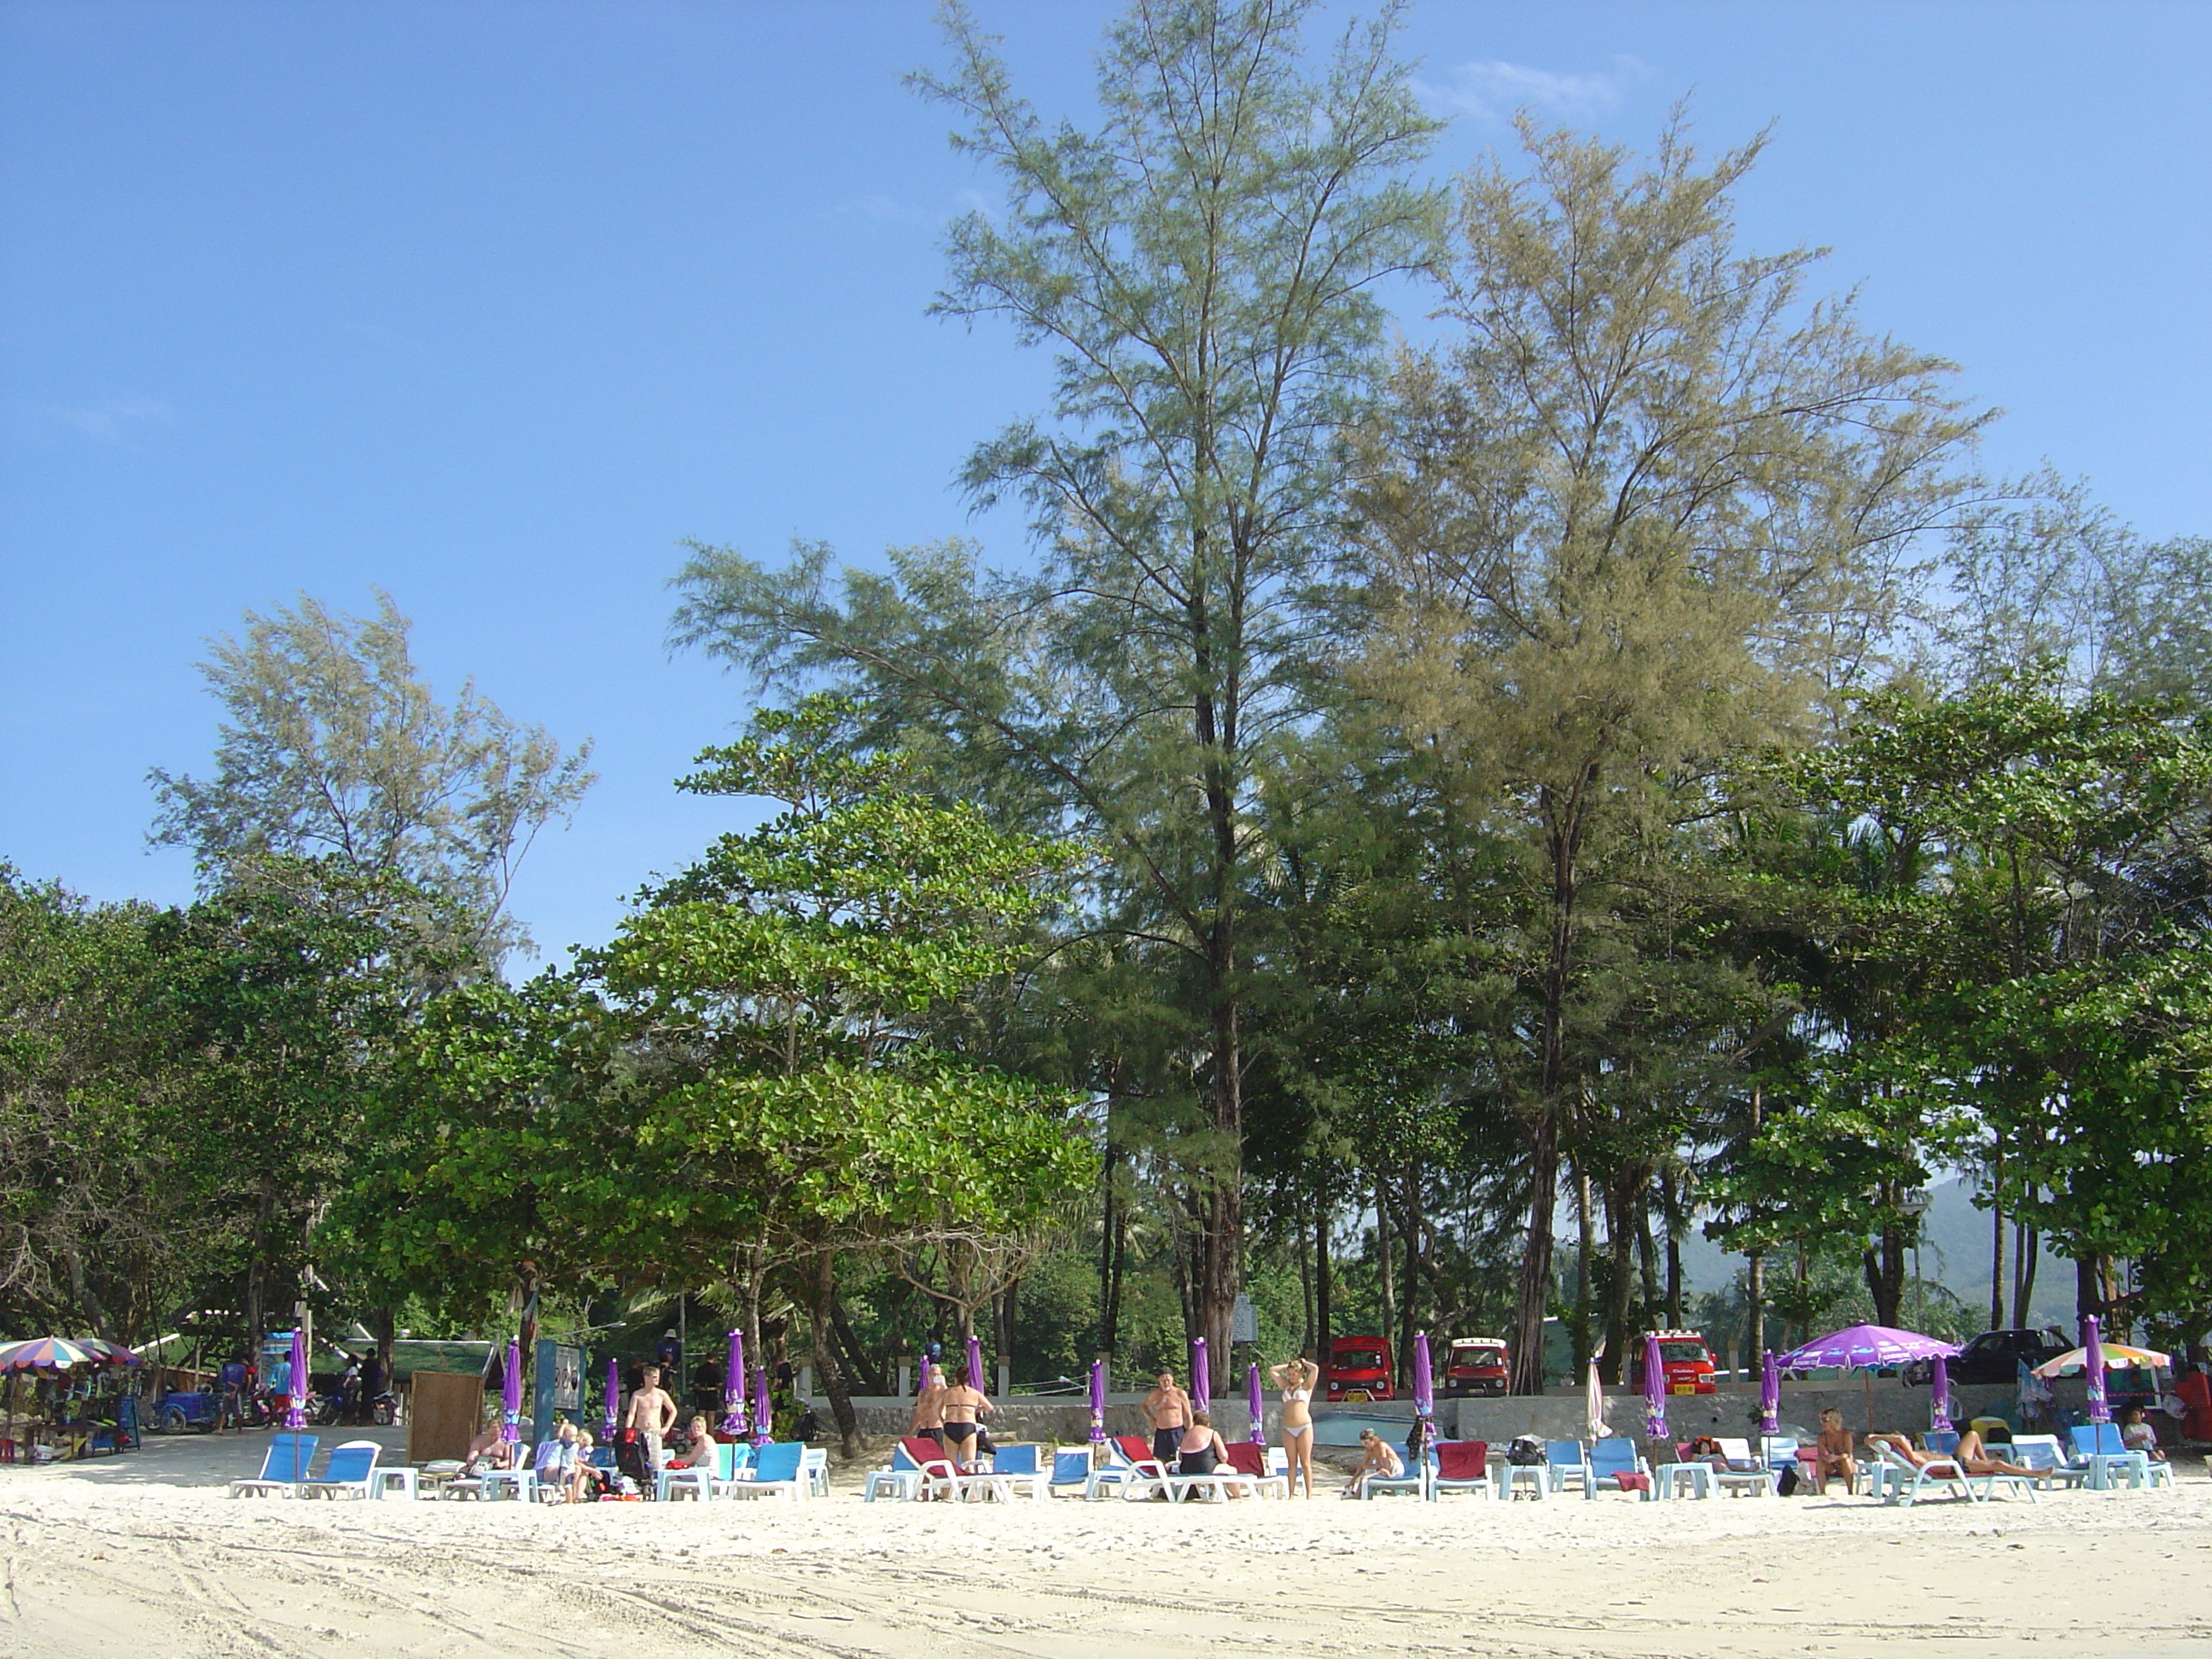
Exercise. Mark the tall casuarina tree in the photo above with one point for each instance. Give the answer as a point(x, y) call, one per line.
point(1200, 265)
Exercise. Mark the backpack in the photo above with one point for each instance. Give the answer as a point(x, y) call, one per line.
point(1527, 1451)
point(1787, 1484)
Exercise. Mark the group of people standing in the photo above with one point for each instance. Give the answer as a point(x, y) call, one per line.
point(1184, 1434)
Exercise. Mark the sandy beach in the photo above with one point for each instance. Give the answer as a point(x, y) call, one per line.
point(142, 1555)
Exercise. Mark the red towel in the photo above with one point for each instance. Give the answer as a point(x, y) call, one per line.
point(1631, 1482)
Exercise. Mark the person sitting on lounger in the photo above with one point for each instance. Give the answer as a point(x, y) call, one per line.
point(699, 1445)
point(1200, 1451)
point(556, 1461)
point(1974, 1458)
point(1376, 1456)
point(2138, 1434)
point(928, 1422)
point(585, 1481)
point(490, 1450)
point(1832, 1453)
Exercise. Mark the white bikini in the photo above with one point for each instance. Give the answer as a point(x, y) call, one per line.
point(1293, 1431)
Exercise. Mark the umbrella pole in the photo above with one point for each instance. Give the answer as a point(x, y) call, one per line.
point(1870, 1389)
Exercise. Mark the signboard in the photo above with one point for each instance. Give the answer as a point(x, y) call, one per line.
point(1244, 1320)
point(558, 1385)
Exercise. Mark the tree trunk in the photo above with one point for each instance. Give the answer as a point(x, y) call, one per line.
point(2086, 1299)
point(1306, 1321)
point(823, 1308)
point(2027, 1250)
point(1324, 1287)
point(1534, 1294)
point(1586, 1242)
point(1563, 848)
point(1996, 1267)
point(384, 1325)
point(1110, 1246)
point(873, 1377)
point(1410, 1298)
point(1619, 1250)
point(1754, 1296)
point(1647, 1251)
point(82, 1294)
point(1382, 1261)
point(1885, 1276)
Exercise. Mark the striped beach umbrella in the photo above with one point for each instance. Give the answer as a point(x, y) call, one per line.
point(43, 1354)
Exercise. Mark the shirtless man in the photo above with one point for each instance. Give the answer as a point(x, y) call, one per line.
point(1376, 1456)
point(1833, 1453)
point(488, 1450)
point(928, 1422)
point(1167, 1408)
point(652, 1414)
point(963, 1406)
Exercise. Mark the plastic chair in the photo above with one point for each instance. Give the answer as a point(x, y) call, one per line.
point(816, 1462)
point(1017, 1465)
point(1569, 1465)
point(350, 1473)
point(1071, 1470)
point(284, 1466)
point(777, 1472)
point(1461, 1466)
point(1414, 1482)
point(1250, 1459)
point(1612, 1457)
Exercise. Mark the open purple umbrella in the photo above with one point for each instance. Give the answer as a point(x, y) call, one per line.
point(614, 1397)
point(1098, 1402)
point(295, 1415)
point(1201, 1380)
point(1939, 1397)
point(2092, 1339)
point(976, 1363)
point(764, 1408)
point(734, 1387)
point(1258, 1402)
point(1770, 1395)
point(1863, 1348)
point(510, 1396)
point(1654, 1391)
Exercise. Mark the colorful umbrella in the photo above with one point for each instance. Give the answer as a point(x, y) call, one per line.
point(295, 1415)
point(1939, 1398)
point(1258, 1404)
point(1860, 1347)
point(1594, 1405)
point(510, 1397)
point(1654, 1391)
point(2118, 1356)
point(764, 1408)
point(2094, 1363)
point(734, 1387)
point(1201, 1381)
point(1770, 1395)
point(107, 1353)
point(43, 1354)
point(1098, 1402)
point(614, 1398)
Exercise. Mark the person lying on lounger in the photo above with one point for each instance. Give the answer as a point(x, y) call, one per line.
point(1974, 1458)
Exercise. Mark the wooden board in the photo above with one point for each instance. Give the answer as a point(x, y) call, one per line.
point(444, 1411)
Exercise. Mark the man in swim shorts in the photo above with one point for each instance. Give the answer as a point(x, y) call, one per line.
point(1167, 1408)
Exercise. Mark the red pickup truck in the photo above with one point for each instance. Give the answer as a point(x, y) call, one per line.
point(1358, 1368)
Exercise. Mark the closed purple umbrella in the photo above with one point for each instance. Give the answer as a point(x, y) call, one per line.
point(1939, 1398)
point(1259, 1405)
point(1201, 1380)
point(295, 1414)
point(614, 1398)
point(734, 1387)
point(976, 1363)
point(764, 1408)
point(1098, 1402)
point(1425, 1384)
point(2093, 1371)
point(1654, 1391)
point(1770, 1395)
point(510, 1397)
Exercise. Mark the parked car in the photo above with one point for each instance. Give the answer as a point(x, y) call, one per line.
point(1476, 1365)
point(1994, 1357)
point(1358, 1368)
point(1685, 1358)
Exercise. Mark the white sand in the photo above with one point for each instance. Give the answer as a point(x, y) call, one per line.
point(110, 1559)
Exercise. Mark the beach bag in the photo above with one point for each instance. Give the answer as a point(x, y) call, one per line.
point(1526, 1451)
point(1787, 1484)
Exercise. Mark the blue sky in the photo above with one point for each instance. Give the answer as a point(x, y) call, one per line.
point(492, 304)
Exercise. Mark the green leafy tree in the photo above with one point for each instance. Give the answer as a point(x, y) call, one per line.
point(1642, 512)
point(1201, 265)
point(334, 748)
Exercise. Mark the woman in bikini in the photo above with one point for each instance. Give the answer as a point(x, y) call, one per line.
point(1295, 1378)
